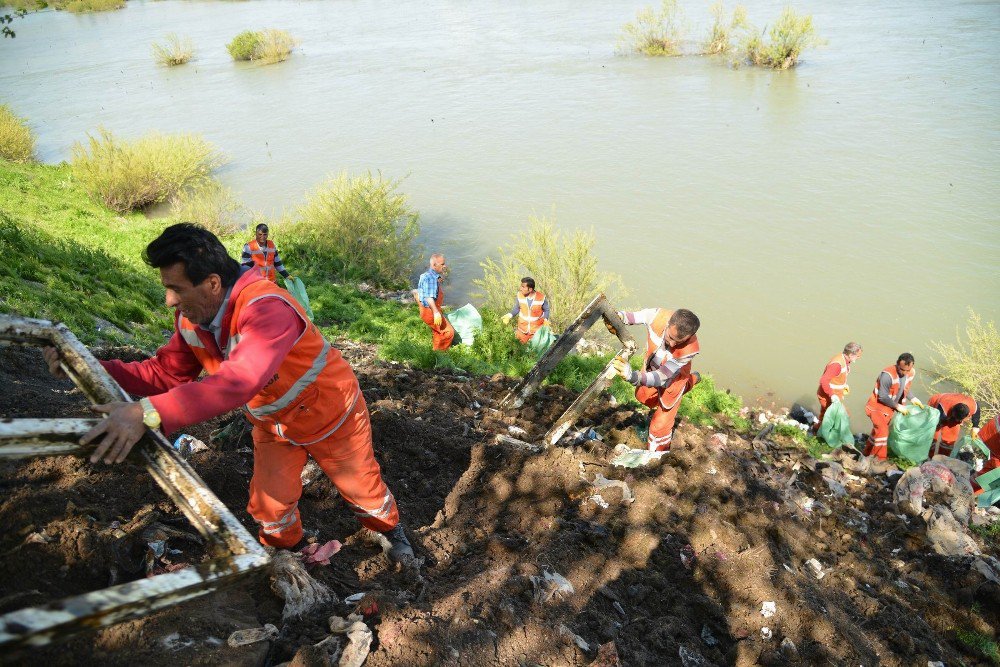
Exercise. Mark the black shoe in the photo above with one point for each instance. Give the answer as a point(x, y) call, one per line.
point(400, 549)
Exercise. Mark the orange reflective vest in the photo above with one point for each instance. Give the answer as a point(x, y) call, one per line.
point(263, 258)
point(314, 389)
point(839, 383)
point(530, 318)
point(948, 433)
point(657, 353)
point(906, 381)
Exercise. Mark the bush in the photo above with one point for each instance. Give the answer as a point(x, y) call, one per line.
point(564, 269)
point(173, 51)
point(720, 39)
point(127, 176)
point(17, 144)
point(789, 36)
point(212, 206)
point(82, 6)
point(653, 33)
point(267, 46)
point(973, 366)
point(358, 227)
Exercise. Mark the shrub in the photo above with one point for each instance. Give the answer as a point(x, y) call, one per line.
point(653, 33)
point(789, 36)
point(212, 206)
point(267, 46)
point(173, 51)
point(720, 40)
point(564, 269)
point(130, 175)
point(244, 45)
point(359, 227)
point(17, 144)
point(974, 366)
point(83, 6)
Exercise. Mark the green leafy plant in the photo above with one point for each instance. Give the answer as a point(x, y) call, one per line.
point(173, 50)
point(244, 45)
point(358, 227)
point(788, 37)
point(126, 176)
point(720, 39)
point(973, 364)
point(653, 32)
point(266, 46)
point(17, 143)
point(564, 267)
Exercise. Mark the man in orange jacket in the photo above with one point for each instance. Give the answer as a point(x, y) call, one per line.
point(261, 351)
point(531, 309)
point(990, 435)
point(262, 255)
point(833, 383)
point(892, 390)
point(671, 345)
point(955, 410)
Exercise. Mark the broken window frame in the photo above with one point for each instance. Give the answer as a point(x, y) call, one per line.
point(599, 308)
point(234, 552)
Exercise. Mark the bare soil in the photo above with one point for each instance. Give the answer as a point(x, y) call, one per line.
point(678, 576)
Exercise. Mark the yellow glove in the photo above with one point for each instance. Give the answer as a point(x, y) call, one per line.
point(437, 319)
point(622, 367)
point(916, 402)
point(903, 410)
point(847, 390)
point(507, 318)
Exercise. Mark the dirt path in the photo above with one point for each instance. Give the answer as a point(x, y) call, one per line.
point(676, 576)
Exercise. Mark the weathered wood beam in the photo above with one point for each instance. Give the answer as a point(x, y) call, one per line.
point(20, 438)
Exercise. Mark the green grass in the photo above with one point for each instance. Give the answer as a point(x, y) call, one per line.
point(980, 644)
point(990, 533)
point(129, 175)
point(173, 50)
point(17, 143)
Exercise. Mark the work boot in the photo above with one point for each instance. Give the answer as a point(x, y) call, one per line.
point(400, 548)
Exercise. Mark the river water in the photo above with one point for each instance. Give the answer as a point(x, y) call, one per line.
point(852, 198)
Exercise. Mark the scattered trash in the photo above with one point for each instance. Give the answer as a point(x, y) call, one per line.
point(712, 471)
point(687, 556)
point(319, 554)
point(935, 663)
point(571, 636)
point(310, 472)
point(719, 440)
point(788, 648)
point(619, 608)
point(174, 642)
point(342, 625)
point(765, 633)
point(157, 548)
point(188, 444)
point(803, 415)
point(708, 637)
point(599, 501)
point(517, 431)
point(816, 568)
point(947, 535)
point(290, 581)
point(607, 656)
point(989, 567)
point(634, 458)
point(691, 658)
point(551, 585)
point(252, 635)
point(38, 538)
point(768, 609)
point(602, 482)
point(359, 642)
point(352, 599)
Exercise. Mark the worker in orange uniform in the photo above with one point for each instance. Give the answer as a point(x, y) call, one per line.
point(892, 390)
point(671, 345)
point(833, 383)
point(430, 298)
point(990, 435)
point(262, 254)
point(259, 350)
point(531, 309)
point(955, 410)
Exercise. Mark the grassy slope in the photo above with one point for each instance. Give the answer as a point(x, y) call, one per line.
point(71, 260)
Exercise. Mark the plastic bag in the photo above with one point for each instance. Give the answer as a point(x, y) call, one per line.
point(836, 426)
point(911, 435)
point(542, 340)
point(467, 321)
point(297, 289)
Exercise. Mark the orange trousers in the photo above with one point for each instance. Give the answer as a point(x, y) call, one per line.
point(443, 335)
point(661, 424)
point(347, 459)
point(524, 337)
point(878, 443)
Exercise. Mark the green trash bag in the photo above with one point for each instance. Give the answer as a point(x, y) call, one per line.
point(974, 442)
point(542, 340)
point(297, 289)
point(911, 435)
point(836, 427)
point(467, 322)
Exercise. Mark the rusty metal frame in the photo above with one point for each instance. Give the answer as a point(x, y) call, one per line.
point(234, 552)
point(596, 310)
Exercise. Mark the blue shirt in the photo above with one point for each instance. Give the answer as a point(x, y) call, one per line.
point(427, 287)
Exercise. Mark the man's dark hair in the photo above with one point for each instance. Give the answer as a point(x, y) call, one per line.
point(199, 249)
point(687, 323)
point(530, 282)
point(958, 412)
point(905, 358)
point(262, 228)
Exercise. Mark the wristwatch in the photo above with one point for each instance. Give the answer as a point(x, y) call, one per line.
point(150, 417)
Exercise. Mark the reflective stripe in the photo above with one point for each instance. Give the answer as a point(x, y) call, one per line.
point(284, 521)
point(837, 386)
point(379, 513)
point(191, 338)
point(669, 407)
point(348, 413)
point(319, 363)
point(529, 319)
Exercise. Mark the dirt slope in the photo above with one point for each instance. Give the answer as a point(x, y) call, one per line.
point(677, 576)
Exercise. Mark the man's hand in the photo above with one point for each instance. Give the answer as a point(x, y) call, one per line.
point(51, 355)
point(902, 409)
point(122, 429)
point(437, 318)
point(975, 432)
point(621, 315)
point(507, 318)
point(847, 390)
point(916, 402)
point(622, 368)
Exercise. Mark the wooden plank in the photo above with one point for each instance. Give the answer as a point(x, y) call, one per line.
point(20, 438)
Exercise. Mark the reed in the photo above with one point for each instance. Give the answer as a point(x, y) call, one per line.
point(174, 50)
point(654, 32)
